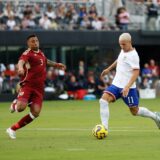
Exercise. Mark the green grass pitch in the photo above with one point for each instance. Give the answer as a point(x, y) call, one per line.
point(64, 132)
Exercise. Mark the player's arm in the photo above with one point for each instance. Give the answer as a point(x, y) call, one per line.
point(133, 78)
point(55, 64)
point(107, 70)
point(131, 81)
point(20, 67)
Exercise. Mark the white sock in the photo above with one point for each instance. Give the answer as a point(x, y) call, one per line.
point(104, 112)
point(31, 115)
point(144, 112)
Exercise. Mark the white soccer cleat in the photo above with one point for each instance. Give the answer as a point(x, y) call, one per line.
point(157, 120)
point(11, 133)
point(12, 107)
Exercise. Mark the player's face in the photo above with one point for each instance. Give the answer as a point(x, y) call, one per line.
point(33, 43)
point(125, 45)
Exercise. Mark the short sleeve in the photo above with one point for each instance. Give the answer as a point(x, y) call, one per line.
point(134, 61)
point(25, 55)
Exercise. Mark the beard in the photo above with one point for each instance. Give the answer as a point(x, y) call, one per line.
point(35, 48)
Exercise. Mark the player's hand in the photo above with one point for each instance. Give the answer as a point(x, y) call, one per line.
point(104, 72)
point(21, 71)
point(125, 91)
point(60, 66)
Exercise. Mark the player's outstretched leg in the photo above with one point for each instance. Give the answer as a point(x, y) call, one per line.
point(157, 120)
point(24, 121)
point(144, 112)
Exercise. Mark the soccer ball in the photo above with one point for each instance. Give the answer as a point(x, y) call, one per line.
point(99, 131)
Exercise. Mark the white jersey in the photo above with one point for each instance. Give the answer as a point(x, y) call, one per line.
point(126, 62)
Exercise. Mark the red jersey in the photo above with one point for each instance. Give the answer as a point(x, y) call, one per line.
point(35, 68)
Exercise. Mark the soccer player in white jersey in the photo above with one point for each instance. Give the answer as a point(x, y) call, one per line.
point(123, 85)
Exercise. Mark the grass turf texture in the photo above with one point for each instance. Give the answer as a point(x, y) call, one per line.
point(64, 132)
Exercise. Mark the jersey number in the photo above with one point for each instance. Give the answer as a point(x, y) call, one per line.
point(41, 62)
point(130, 100)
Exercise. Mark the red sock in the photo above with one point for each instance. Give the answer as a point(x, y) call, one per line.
point(24, 121)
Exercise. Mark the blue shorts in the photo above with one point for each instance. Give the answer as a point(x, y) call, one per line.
point(131, 100)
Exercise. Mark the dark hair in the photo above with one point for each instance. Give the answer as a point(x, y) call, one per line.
point(30, 36)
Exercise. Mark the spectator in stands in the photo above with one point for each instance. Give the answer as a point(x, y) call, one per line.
point(146, 77)
point(145, 83)
point(101, 85)
point(45, 22)
point(11, 24)
point(2, 67)
point(82, 68)
point(8, 11)
point(85, 23)
point(96, 23)
point(93, 9)
point(50, 82)
point(60, 81)
point(71, 17)
point(54, 25)
point(152, 15)
point(82, 13)
point(146, 71)
point(81, 76)
point(72, 87)
point(123, 18)
point(60, 13)
point(91, 84)
point(9, 73)
point(50, 12)
point(25, 23)
point(155, 69)
point(27, 11)
point(37, 11)
point(28, 22)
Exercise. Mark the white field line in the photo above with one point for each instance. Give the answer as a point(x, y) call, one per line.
point(75, 149)
point(112, 129)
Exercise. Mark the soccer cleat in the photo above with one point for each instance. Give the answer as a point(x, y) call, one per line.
point(157, 120)
point(12, 107)
point(11, 133)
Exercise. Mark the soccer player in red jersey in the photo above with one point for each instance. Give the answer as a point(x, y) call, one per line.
point(32, 70)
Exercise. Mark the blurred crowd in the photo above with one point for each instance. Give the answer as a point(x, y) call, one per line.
point(50, 16)
point(75, 84)
point(79, 83)
point(85, 15)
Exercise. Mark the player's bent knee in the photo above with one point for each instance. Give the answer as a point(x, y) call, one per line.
point(134, 111)
point(34, 114)
point(101, 100)
point(107, 97)
point(21, 107)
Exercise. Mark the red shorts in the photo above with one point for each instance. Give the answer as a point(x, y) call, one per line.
point(30, 94)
